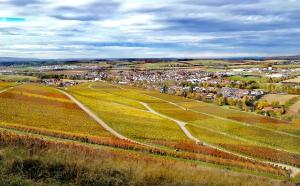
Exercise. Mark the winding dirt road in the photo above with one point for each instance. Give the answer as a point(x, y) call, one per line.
point(181, 124)
point(99, 120)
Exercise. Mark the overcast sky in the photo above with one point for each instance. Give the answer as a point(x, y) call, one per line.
point(148, 28)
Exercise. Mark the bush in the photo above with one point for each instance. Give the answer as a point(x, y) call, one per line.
point(32, 169)
point(62, 172)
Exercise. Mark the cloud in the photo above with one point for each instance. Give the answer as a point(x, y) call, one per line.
point(127, 28)
point(90, 12)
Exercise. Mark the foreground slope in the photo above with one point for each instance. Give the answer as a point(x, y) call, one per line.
point(58, 162)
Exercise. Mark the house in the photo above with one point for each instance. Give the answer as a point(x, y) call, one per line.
point(234, 92)
point(51, 81)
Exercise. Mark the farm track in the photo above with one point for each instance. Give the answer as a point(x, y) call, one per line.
point(218, 117)
point(181, 124)
point(226, 119)
point(104, 125)
point(294, 170)
point(99, 120)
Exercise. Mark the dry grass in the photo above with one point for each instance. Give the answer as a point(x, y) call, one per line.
point(282, 99)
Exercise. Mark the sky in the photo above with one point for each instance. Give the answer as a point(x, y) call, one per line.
point(148, 28)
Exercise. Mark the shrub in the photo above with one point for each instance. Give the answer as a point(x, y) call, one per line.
point(30, 168)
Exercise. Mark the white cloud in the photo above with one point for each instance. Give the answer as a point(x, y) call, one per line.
point(184, 29)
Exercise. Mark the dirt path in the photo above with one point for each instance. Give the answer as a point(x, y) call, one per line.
point(226, 119)
point(99, 120)
point(218, 117)
point(294, 170)
point(181, 124)
point(6, 89)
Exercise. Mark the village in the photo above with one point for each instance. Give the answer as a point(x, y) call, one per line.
point(238, 87)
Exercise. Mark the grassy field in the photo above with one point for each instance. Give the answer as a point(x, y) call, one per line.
point(295, 80)
point(295, 107)
point(249, 78)
point(13, 78)
point(282, 99)
point(49, 162)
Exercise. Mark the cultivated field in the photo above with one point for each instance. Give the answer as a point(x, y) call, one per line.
point(45, 108)
point(217, 128)
point(282, 99)
point(4, 85)
point(14, 78)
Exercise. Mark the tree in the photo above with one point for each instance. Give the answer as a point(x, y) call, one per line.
point(231, 101)
point(220, 101)
point(164, 89)
point(261, 104)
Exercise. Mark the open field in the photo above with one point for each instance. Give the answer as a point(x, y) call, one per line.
point(249, 78)
point(295, 107)
point(282, 99)
point(13, 78)
point(4, 85)
point(295, 80)
point(162, 65)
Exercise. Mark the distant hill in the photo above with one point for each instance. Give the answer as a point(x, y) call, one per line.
point(13, 59)
point(296, 57)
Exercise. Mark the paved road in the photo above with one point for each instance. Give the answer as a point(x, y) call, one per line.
point(99, 120)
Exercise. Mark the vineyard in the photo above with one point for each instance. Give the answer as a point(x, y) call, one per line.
point(56, 162)
point(31, 111)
